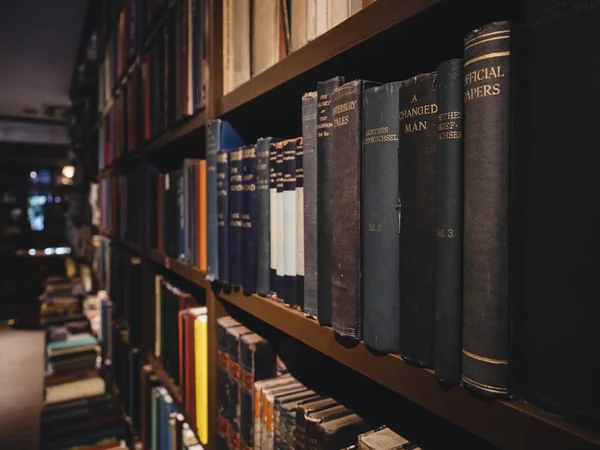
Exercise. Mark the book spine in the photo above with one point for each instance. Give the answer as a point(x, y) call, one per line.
point(273, 217)
point(487, 104)
point(185, 257)
point(324, 197)
point(280, 221)
point(249, 219)
point(247, 397)
point(223, 214)
point(235, 216)
point(182, 206)
point(379, 230)
point(309, 165)
point(346, 102)
point(202, 219)
point(263, 240)
point(289, 223)
point(416, 190)
point(449, 218)
point(212, 139)
point(299, 224)
point(222, 383)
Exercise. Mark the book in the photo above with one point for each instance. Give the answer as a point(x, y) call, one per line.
point(268, 411)
point(321, 17)
point(72, 390)
point(268, 35)
point(202, 230)
point(416, 190)
point(201, 368)
point(234, 335)
point(219, 134)
point(290, 243)
point(236, 199)
point(299, 190)
point(263, 218)
point(337, 12)
point(273, 218)
point(241, 41)
point(558, 168)
point(158, 314)
point(449, 218)
point(189, 354)
point(487, 150)
point(298, 26)
point(315, 418)
point(258, 362)
point(346, 146)
point(259, 386)
point(380, 218)
point(302, 410)
point(223, 193)
point(250, 213)
point(309, 166)
point(311, 20)
point(382, 438)
point(223, 323)
point(284, 422)
point(341, 432)
point(324, 197)
point(279, 272)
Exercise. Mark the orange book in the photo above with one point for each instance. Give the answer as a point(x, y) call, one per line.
point(201, 209)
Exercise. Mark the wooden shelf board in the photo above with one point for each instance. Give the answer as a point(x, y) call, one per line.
point(363, 25)
point(182, 269)
point(522, 426)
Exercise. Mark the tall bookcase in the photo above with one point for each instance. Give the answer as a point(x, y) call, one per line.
point(388, 40)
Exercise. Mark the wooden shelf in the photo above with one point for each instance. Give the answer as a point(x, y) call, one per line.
point(182, 269)
point(363, 25)
point(514, 425)
point(180, 131)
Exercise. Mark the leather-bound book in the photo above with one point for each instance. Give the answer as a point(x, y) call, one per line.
point(234, 335)
point(449, 211)
point(416, 190)
point(258, 363)
point(382, 438)
point(202, 218)
point(273, 218)
point(219, 135)
point(346, 272)
point(259, 387)
point(289, 221)
point(236, 198)
point(284, 420)
point(561, 209)
point(263, 219)
point(324, 197)
point(223, 192)
point(315, 418)
point(249, 219)
point(302, 410)
point(279, 268)
point(309, 166)
point(269, 400)
point(379, 229)
point(223, 324)
point(299, 285)
point(341, 432)
point(488, 210)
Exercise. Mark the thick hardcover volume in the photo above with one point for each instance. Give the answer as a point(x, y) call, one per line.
point(487, 209)
point(302, 410)
point(219, 135)
point(273, 218)
point(263, 239)
point(234, 336)
point(346, 103)
point(315, 418)
point(324, 197)
point(382, 438)
point(341, 432)
point(236, 198)
point(289, 221)
point(416, 190)
point(449, 212)
point(223, 213)
point(561, 168)
point(249, 219)
point(223, 324)
point(299, 224)
point(379, 230)
point(258, 363)
point(279, 166)
point(309, 165)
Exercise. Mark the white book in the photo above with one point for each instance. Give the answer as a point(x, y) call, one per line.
point(311, 20)
point(355, 6)
point(337, 12)
point(321, 17)
point(298, 24)
point(266, 34)
point(241, 42)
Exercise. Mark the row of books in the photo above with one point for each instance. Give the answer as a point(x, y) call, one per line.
point(181, 344)
point(163, 428)
point(257, 35)
point(177, 213)
point(261, 406)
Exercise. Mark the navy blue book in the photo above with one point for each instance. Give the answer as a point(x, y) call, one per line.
point(181, 207)
point(223, 214)
point(235, 216)
point(250, 218)
point(219, 135)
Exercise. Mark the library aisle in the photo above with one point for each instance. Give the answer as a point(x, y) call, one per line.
point(21, 391)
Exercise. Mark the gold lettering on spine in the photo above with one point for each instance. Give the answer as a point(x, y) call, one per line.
point(415, 112)
point(380, 134)
point(447, 125)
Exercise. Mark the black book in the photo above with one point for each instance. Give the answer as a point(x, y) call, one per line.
point(250, 214)
point(488, 209)
point(449, 210)
point(263, 217)
point(273, 218)
point(561, 209)
point(289, 222)
point(379, 228)
point(223, 213)
point(300, 223)
point(235, 216)
point(223, 324)
point(324, 196)
point(279, 247)
point(416, 190)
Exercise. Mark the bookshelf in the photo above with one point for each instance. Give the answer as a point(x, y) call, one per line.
point(506, 424)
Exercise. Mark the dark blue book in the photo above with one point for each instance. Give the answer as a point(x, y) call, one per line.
point(249, 218)
point(219, 135)
point(223, 214)
point(235, 216)
point(181, 207)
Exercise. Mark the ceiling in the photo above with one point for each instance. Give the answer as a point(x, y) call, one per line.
point(38, 44)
